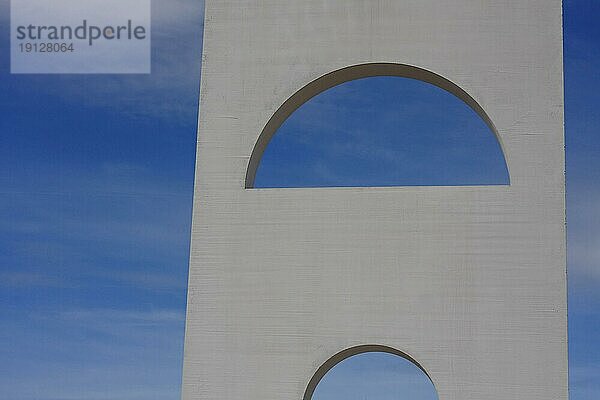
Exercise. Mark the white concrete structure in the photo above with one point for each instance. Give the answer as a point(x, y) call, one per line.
point(467, 281)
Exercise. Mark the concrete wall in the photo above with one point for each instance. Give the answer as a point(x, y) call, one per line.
point(468, 281)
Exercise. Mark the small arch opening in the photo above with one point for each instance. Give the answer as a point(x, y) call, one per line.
point(371, 372)
point(376, 125)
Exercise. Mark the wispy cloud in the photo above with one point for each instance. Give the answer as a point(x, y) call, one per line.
point(584, 235)
point(116, 226)
point(92, 354)
point(117, 322)
point(29, 280)
point(170, 92)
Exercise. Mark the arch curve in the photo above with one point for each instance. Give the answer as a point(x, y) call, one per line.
point(353, 351)
point(351, 73)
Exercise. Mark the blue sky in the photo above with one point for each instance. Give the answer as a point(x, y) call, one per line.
point(383, 131)
point(96, 176)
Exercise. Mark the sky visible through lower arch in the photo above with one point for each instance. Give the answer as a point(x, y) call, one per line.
point(375, 376)
point(97, 177)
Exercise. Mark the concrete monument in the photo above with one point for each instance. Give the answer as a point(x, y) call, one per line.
point(469, 283)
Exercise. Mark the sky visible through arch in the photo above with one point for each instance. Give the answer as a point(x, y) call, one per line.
point(383, 131)
point(96, 175)
point(375, 376)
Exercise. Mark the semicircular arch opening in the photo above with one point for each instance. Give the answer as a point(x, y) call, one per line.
point(378, 124)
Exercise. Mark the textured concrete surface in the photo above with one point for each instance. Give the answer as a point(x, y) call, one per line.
point(469, 282)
